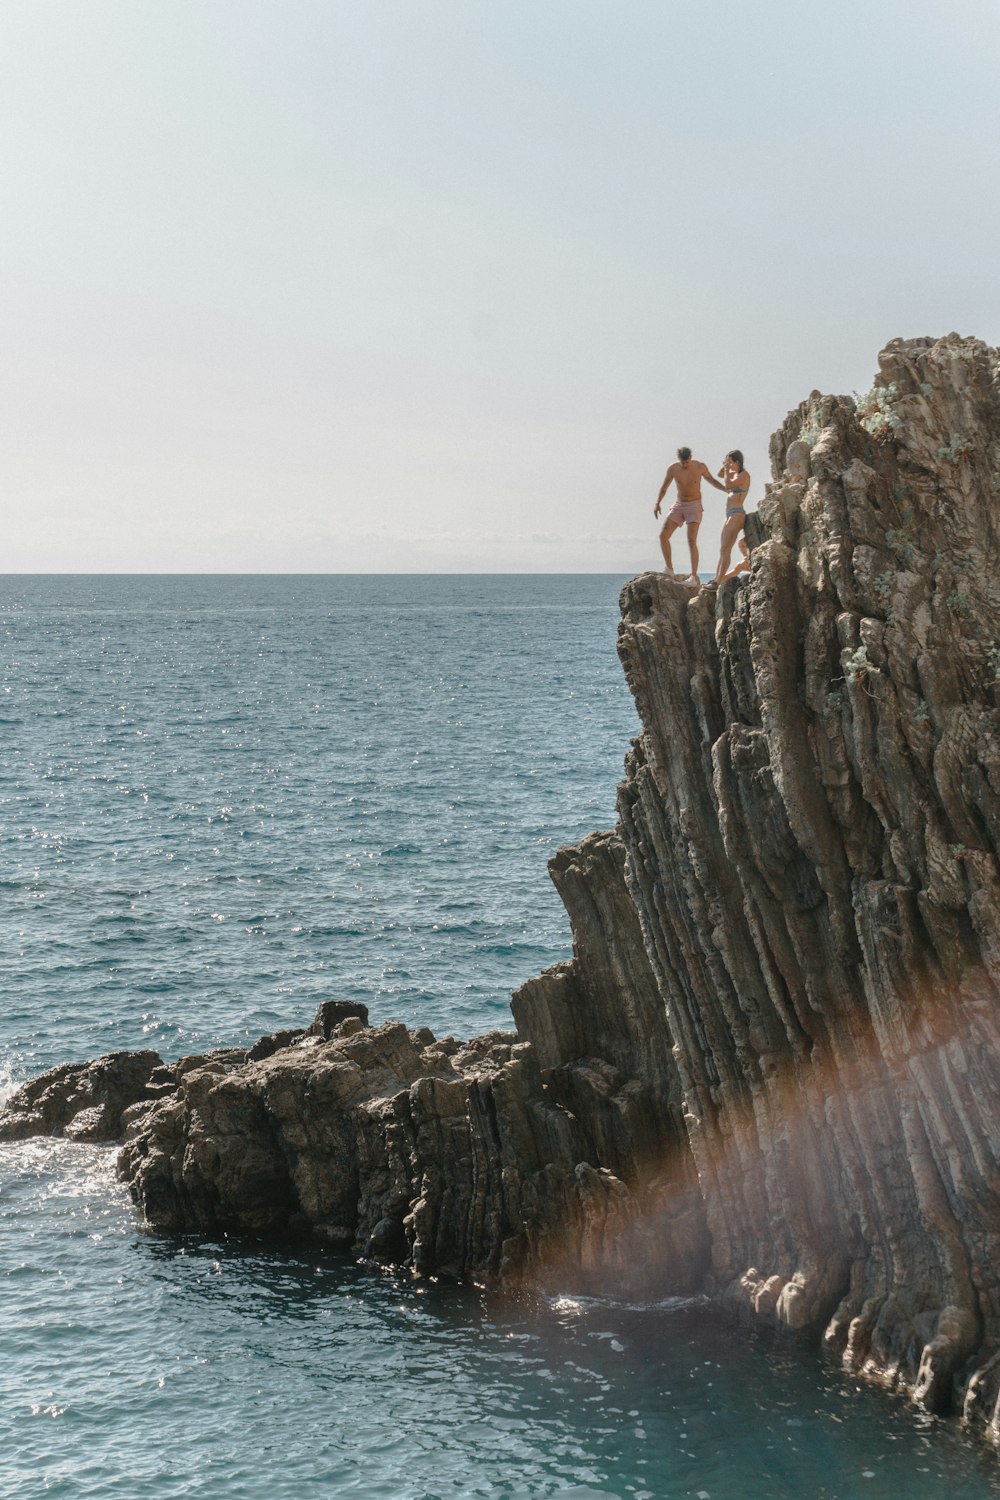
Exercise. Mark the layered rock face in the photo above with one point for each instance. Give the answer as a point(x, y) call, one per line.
point(772, 1067)
point(448, 1158)
point(553, 1156)
point(811, 822)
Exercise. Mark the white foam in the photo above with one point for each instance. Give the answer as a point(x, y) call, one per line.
point(64, 1169)
point(10, 1079)
point(580, 1304)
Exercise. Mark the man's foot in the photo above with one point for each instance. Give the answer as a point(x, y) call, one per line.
point(692, 581)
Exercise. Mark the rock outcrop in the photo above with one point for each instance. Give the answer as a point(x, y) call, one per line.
point(772, 1067)
point(450, 1158)
point(84, 1101)
point(811, 822)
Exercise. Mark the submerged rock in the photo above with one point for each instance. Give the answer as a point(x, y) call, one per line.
point(772, 1067)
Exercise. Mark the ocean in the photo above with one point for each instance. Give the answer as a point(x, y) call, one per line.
point(225, 799)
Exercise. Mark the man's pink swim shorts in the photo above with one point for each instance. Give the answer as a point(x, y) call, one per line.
point(687, 511)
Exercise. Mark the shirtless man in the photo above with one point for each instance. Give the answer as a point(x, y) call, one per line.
point(688, 473)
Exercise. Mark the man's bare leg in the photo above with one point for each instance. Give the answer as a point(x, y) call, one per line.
point(667, 531)
point(693, 546)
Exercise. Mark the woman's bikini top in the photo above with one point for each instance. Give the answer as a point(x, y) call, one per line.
point(737, 490)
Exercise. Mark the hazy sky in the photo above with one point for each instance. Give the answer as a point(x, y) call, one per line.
point(422, 285)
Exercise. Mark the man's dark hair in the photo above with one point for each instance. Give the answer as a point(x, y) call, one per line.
point(684, 454)
point(737, 457)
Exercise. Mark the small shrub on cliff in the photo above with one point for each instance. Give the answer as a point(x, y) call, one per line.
point(882, 588)
point(875, 411)
point(858, 665)
point(905, 551)
point(898, 538)
point(810, 430)
point(957, 449)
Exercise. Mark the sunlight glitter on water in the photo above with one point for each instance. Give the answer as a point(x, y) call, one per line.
point(399, 759)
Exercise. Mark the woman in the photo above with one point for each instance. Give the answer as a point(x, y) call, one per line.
point(737, 482)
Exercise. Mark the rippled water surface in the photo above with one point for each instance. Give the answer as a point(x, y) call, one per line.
point(224, 800)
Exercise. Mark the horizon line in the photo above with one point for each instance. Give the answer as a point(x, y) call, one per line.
point(353, 573)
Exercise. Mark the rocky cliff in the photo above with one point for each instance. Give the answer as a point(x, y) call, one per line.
point(772, 1067)
point(811, 827)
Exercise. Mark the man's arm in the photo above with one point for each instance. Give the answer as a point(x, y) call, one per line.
point(706, 475)
point(667, 482)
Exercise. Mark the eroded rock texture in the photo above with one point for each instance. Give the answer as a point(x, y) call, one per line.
point(811, 821)
point(449, 1158)
point(772, 1067)
point(84, 1101)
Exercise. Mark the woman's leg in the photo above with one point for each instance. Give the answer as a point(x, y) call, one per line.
point(730, 531)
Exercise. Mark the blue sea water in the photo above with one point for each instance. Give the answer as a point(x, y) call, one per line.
point(223, 800)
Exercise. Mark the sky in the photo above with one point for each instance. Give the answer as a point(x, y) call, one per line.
point(441, 285)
